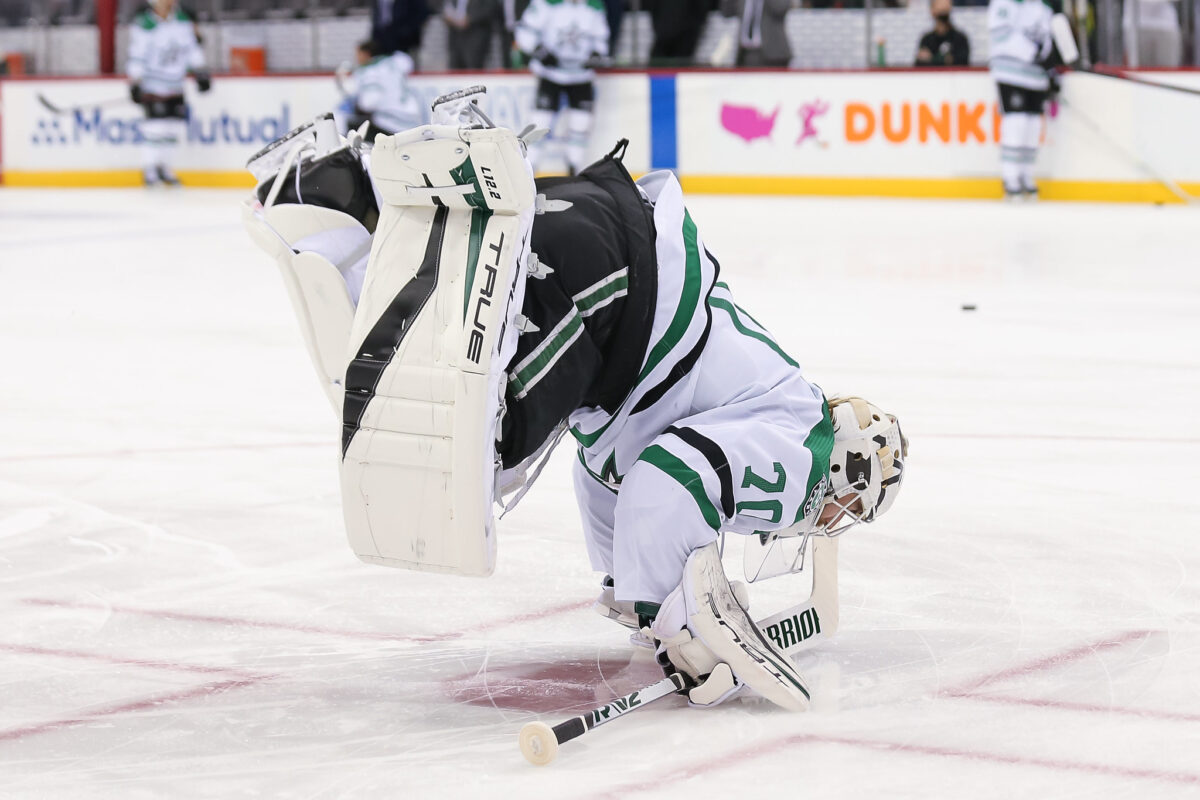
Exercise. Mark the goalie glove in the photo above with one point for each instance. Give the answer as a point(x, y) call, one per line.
point(705, 632)
point(543, 55)
point(710, 681)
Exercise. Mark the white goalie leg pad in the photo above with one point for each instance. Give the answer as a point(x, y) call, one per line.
point(717, 621)
point(322, 256)
point(434, 329)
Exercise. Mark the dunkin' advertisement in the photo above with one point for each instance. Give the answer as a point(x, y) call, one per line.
point(922, 125)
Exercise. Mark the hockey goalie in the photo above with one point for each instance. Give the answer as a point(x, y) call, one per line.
point(463, 318)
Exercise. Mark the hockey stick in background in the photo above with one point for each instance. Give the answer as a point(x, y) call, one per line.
point(793, 629)
point(1121, 76)
point(55, 109)
point(1092, 125)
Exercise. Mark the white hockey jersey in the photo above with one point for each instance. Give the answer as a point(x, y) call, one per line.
point(1019, 38)
point(162, 51)
point(381, 91)
point(573, 30)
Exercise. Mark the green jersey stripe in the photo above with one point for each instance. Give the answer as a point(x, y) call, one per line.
point(535, 365)
point(682, 320)
point(685, 476)
point(732, 311)
point(819, 443)
point(603, 292)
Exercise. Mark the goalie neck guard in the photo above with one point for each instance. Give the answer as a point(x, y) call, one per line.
point(866, 466)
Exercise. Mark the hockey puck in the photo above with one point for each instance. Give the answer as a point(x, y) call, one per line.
point(539, 745)
point(968, 306)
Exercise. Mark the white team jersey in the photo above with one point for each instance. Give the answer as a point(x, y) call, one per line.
point(570, 29)
point(162, 51)
point(1019, 37)
point(381, 90)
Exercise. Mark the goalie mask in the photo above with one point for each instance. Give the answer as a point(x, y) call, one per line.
point(866, 466)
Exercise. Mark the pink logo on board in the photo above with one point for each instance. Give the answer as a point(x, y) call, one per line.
point(747, 122)
point(808, 114)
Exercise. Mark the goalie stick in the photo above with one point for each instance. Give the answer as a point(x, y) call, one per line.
point(1171, 186)
point(793, 629)
point(56, 109)
point(539, 741)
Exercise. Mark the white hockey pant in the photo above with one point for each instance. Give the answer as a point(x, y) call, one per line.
point(1019, 135)
point(542, 119)
point(579, 130)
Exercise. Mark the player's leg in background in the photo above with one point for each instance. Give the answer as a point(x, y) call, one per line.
point(1030, 138)
point(581, 99)
point(164, 130)
point(545, 109)
point(1012, 139)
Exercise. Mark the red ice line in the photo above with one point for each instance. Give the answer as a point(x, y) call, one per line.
point(1056, 660)
point(124, 662)
point(216, 688)
point(1064, 705)
point(759, 750)
point(185, 616)
point(130, 706)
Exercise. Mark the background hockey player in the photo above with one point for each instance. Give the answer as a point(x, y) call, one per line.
point(1020, 60)
point(380, 92)
point(564, 41)
point(163, 50)
point(690, 419)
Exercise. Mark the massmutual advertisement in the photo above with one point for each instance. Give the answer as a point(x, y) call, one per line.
point(98, 132)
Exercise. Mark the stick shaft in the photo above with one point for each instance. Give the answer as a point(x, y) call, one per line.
point(53, 109)
point(1143, 81)
point(578, 726)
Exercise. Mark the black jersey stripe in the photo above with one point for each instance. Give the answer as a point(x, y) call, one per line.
point(680, 370)
point(716, 458)
point(377, 350)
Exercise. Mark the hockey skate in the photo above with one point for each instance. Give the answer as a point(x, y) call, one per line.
point(437, 323)
point(705, 632)
point(312, 211)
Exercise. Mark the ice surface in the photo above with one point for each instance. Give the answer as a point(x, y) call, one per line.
point(184, 618)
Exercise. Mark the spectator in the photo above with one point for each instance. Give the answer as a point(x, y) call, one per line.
point(762, 36)
point(945, 45)
point(396, 25)
point(1159, 42)
point(470, 23)
point(677, 28)
point(614, 10)
point(507, 14)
